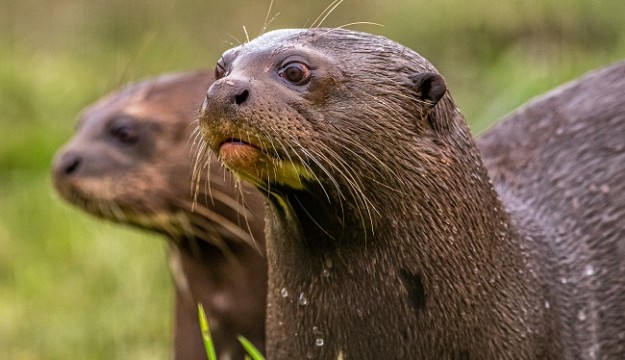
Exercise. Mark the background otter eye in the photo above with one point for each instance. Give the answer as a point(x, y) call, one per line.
point(295, 72)
point(125, 133)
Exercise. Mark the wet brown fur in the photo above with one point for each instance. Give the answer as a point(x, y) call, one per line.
point(396, 244)
point(215, 261)
point(559, 165)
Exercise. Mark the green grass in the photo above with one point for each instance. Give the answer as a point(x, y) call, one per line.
point(206, 333)
point(252, 351)
point(72, 287)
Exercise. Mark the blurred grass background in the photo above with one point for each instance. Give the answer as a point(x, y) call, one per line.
point(72, 287)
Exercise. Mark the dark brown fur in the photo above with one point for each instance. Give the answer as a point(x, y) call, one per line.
point(395, 244)
point(131, 161)
point(559, 164)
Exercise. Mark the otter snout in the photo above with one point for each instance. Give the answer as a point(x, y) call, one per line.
point(224, 97)
point(65, 166)
point(66, 163)
point(224, 107)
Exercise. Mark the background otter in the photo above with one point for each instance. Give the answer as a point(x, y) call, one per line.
point(130, 162)
point(386, 236)
point(559, 163)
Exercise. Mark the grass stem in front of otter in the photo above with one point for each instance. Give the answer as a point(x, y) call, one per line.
point(206, 335)
point(253, 353)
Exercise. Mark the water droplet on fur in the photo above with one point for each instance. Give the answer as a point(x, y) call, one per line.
point(319, 342)
point(589, 270)
point(302, 300)
point(581, 315)
point(284, 292)
point(326, 272)
point(547, 305)
point(563, 280)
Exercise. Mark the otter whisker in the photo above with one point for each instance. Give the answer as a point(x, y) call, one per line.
point(307, 166)
point(247, 36)
point(238, 42)
point(341, 196)
point(393, 175)
point(219, 221)
point(336, 163)
point(266, 23)
point(312, 218)
point(196, 175)
point(325, 13)
point(267, 135)
point(208, 189)
point(116, 211)
point(355, 186)
point(292, 151)
point(356, 23)
point(203, 230)
point(246, 217)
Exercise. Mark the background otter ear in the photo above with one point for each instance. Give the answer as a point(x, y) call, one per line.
point(430, 86)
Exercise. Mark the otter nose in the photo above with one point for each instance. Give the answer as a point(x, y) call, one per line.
point(240, 97)
point(67, 163)
point(229, 91)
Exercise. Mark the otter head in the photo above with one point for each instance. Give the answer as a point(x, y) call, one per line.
point(326, 111)
point(130, 159)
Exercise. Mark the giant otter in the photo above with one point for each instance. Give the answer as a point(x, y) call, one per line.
point(385, 235)
point(131, 162)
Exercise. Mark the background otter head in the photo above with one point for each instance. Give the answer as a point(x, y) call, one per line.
point(133, 158)
point(128, 159)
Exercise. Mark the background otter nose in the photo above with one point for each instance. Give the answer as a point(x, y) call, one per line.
point(67, 164)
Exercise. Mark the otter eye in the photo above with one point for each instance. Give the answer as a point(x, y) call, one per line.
point(125, 133)
point(220, 69)
point(295, 72)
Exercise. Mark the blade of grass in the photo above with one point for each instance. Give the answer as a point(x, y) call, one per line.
point(251, 349)
point(206, 335)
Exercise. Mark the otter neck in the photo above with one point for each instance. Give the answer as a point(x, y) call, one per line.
point(436, 270)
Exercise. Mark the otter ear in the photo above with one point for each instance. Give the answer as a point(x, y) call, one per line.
point(430, 86)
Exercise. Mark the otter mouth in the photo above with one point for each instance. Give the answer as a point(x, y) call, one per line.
point(235, 148)
point(234, 142)
point(259, 166)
